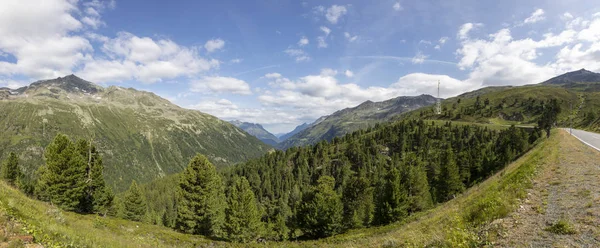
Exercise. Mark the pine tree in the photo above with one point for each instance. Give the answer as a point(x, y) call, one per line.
point(321, 212)
point(134, 203)
point(417, 187)
point(201, 200)
point(392, 198)
point(99, 197)
point(10, 169)
point(242, 216)
point(62, 179)
point(450, 183)
point(358, 203)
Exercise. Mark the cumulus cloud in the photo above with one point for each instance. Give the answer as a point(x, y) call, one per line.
point(349, 73)
point(335, 12)
point(325, 30)
point(145, 59)
point(536, 16)
point(397, 6)
point(220, 85)
point(303, 41)
point(298, 54)
point(214, 45)
point(463, 32)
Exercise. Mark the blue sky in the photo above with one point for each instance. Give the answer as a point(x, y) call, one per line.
point(282, 63)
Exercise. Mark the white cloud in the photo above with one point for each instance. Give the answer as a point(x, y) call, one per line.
point(463, 32)
point(536, 16)
point(349, 37)
point(321, 43)
point(303, 41)
point(236, 61)
point(566, 16)
point(443, 40)
point(214, 45)
point(397, 6)
point(335, 12)
point(349, 73)
point(220, 85)
point(297, 54)
point(272, 75)
point(325, 30)
point(419, 58)
point(591, 33)
point(144, 59)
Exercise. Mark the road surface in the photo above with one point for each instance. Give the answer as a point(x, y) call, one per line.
point(589, 138)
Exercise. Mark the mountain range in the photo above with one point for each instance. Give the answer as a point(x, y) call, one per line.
point(257, 131)
point(141, 135)
point(351, 119)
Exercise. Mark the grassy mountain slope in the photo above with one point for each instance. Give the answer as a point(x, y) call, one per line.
point(351, 119)
point(296, 130)
point(257, 131)
point(141, 135)
point(518, 105)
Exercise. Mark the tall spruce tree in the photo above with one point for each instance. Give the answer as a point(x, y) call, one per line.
point(62, 179)
point(98, 197)
point(321, 212)
point(242, 216)
point(358, 203)
point(200, 199)
point(417, 187)
point(392, 198)
point(134, 203)
point(450, 183)
point(10, 169)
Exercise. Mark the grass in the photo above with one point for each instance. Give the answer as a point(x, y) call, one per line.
point(56, 228)
point(562, 227)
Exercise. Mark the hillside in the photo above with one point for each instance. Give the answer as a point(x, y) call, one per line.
point(257, 131)
point(351, 119)
point(522, 105)
point(141, 135)
point(467, 219)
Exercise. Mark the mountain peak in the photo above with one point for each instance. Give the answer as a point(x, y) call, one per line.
point(69, 83)
point(579, 76)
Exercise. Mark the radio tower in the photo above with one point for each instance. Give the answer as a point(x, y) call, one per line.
point(438, 104)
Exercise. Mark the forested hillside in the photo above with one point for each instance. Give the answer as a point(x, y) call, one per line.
point(370, 177)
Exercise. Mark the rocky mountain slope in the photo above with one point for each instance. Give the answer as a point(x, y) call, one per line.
point(296, 130)
point(257, 131)
point(352, 119)
point(141, 135)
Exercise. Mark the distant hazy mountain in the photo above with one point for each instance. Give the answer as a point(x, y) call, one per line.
point(258, 131)
point(296, 130)
point(141, 135)
point(352, 119)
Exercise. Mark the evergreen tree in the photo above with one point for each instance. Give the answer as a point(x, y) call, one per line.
point(98, 197)
point(242, 216)
point(62, 179)
point(450, 183)
point(550, 112)
point(419, 197)
point(10, 169)
point(358, 203)
point(134, 204)
point(321, 212)
point(201, 200)
point(392, 198)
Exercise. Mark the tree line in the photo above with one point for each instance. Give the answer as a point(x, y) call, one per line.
point(370, 177)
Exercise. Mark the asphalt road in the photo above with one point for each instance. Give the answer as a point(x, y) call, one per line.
point(589, 138)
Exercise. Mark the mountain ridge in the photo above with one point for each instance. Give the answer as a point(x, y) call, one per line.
point(141, 135)
point(351, 119)
point(258, 131)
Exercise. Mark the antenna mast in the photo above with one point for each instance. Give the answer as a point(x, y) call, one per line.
point(438, 104)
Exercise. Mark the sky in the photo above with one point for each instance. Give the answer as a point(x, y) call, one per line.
point(283, 63)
